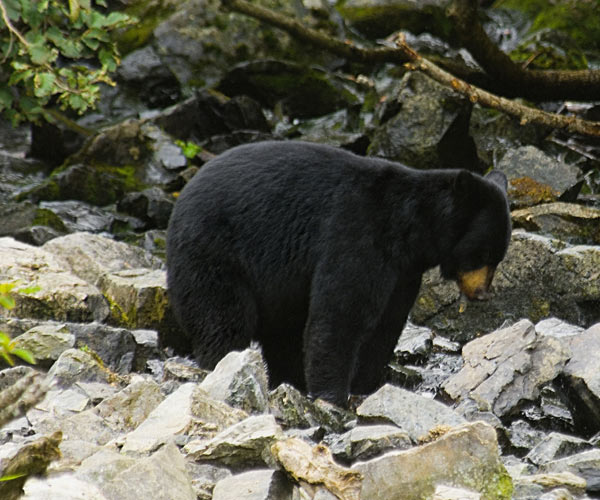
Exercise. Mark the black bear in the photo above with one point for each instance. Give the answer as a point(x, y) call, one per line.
point(318, 253)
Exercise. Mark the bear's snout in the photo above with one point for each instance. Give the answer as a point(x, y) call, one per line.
point(476, 284)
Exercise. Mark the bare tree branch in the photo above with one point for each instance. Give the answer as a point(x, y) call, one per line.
point(403, 54)
point(537, 85)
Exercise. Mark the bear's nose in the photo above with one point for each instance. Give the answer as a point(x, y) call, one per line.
point(475, 284)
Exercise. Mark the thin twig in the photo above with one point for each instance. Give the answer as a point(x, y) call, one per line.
point(10, 25)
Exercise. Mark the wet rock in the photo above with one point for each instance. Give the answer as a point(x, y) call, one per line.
point(583, 379)
point(256, 485)
point(89, 256)
point(507, 367)
point(367, 441)
point(568, 221)
point(379, 18)
point(240, 380)
point(145, 73)
point(425, 125)
point(244, 444)
point(414, 414)
point(539, 278)
point(535, 177)
point(221, 39)
point(77, 216)
point(207, 114)
point(61, 295)
point(415, 341)
point(464, 457)
point(152, 206)
point(30, 224)
point(555, 446)
point(299, 91)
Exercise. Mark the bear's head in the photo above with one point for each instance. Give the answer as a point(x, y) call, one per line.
point(483, 230)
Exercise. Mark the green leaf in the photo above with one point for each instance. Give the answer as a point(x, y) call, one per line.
point(25, 355)
point(6, 357)
point(6, 97)
point(30, 289)
point(74, 10)
point(44, 84)
point(42, 54)
point(11, 477)
point(7, 301)
point(4, 339)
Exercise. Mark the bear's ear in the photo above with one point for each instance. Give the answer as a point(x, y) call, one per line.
point(498, 178)
point(463, 184)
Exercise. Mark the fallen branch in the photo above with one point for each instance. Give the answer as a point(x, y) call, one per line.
point(403, 54)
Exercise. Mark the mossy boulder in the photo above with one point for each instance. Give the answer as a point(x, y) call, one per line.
point(378, 18)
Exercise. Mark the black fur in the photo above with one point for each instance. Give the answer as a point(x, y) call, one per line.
point(318, 254)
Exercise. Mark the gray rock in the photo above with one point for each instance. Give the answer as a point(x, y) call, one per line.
point(465, 457)
point(548, 174)
point(583, 378)
point(246, 444)
point(554, 327)
point(414, 341)
point(65, 486)
point(449, 493)
point(75, 365)
point(254, 485)
point(368, 441)
point(78, 216)
point(46, 342)
point(240, 380)
point(205, 477)
point(429, 128)
point(507, 367)
point(414, 414)
point(555, 446)
point(522, 435)
point(549, 486)
point(89, 256)
point(539, 278)
point(585, 464)
point(160, 476)
point(62, 296)
point(171, 417)
point(568, 221)
point(127, 409)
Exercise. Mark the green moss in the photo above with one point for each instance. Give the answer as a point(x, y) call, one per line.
point(150, 14)
point(579, 20)
point(45, 217)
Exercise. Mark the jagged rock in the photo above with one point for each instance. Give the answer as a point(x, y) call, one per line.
point(415, 341)
point(585, 465)
point(568, 221)
point(61, 295)
point(535, 177)
point(128, 408)
point(204, 478)
point(246, 443)
point(522, 436)
point(65, 486)
point(449, 493)
point(171, 417)
point(426, 127)
point(46, 342)
point(151, 205)
point(414, 414)
point(78, 216)
point(507, 367)
point(254, 485)
point(161, 476)
point(138, 299)
point(76, 366)
point(29, 223)
point(550, 486)
point(215, 415)
point(89, 256)
point(368, 441)
point(555, 446)
point(540, 277)
point(583, 379)
point(292, 409)
point(464, 457)
point(557, 328)
point(240, 380)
